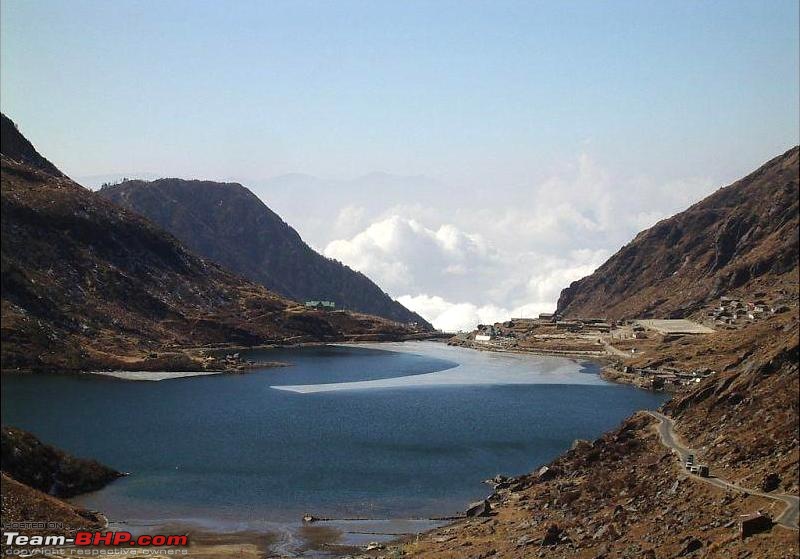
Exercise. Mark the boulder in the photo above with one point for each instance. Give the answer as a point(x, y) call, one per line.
point(546, 474)
point(754, 523)
point(552, 536)
point(479, 508)
point(692, 545)
point(524, 541)
point(770, 482)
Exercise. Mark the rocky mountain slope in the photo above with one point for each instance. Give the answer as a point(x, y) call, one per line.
point(87, 284)
point(745, 417)
point(228, 224)
point(34, 475)
point(16, 147)
point(622, 495)
point(22, 503)
point(743, 239)
point(46, 468)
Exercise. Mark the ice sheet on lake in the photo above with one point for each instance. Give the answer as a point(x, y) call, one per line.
point(153, 376)
point(474, 368)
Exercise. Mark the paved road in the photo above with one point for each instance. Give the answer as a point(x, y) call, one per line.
point(788, 518)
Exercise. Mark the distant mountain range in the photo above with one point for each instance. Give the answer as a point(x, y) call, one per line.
point(228, 224)
point(743, 239)
point(88, 284)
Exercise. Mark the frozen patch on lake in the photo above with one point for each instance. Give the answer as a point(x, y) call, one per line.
point(153, 376)
point(474, 368)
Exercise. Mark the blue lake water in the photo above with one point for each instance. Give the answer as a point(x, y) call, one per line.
point(380, 431)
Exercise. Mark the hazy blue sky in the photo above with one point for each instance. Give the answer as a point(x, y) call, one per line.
point(457, 90)
point(517, 144)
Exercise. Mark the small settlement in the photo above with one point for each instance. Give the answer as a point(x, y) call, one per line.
point(618, 341)
point(733, 313)
point(614, 341)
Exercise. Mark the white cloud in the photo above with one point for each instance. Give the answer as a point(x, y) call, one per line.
point(452, 317)
point(349, 221)
point(403, 255)
point(460, 257)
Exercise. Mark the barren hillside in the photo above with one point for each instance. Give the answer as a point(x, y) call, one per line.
point(228, 224)
point(87, 284)
point(743, 239)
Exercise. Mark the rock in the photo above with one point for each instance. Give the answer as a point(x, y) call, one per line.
point(371, 546)
point(600, 532)
point(754, 524)
point(545, 474)
point(552, 536)
point(770, 482)
point(692, 545)
point(524, 540)
point(581, 444)
point(479, 508)
point(499, 478)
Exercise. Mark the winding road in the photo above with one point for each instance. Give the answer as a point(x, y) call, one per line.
point(666, 429)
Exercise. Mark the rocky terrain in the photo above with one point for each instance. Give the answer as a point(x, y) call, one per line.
point(17, 147)
point(48, 469)
point(741, 240)
point(87, 284)
point(228, 224)
point(625, 494)
point(745, 416)
point(35, 475)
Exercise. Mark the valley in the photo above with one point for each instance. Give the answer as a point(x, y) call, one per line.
point(89, 286)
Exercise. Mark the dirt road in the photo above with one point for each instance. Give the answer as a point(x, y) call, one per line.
point(788, 518)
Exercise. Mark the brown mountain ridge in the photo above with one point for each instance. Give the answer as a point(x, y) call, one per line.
point(741, 239)
point(87, 284)
point(228, 224)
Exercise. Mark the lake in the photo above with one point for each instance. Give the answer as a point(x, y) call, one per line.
point(382, 431)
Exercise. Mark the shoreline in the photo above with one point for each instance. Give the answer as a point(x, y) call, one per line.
point(194, 358)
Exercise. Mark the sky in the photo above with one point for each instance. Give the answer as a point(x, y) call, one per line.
point(472, 158)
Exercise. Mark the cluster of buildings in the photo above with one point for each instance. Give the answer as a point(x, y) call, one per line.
point(519, 328)
point(732, 311)
point(666, 378)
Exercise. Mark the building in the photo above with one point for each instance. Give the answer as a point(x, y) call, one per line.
point(321, 305)
point(754, 523)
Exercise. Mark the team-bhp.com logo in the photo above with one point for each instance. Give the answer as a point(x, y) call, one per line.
point(87, 539)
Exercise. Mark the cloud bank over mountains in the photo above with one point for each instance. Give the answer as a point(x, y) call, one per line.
point(463, 257)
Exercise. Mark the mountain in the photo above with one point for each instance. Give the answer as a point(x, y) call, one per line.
point(88, 284)
point(627, 493)
point(35, 474)
point(227, 223)
point(51, 470)
point(17, 148)
point(743, 239)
